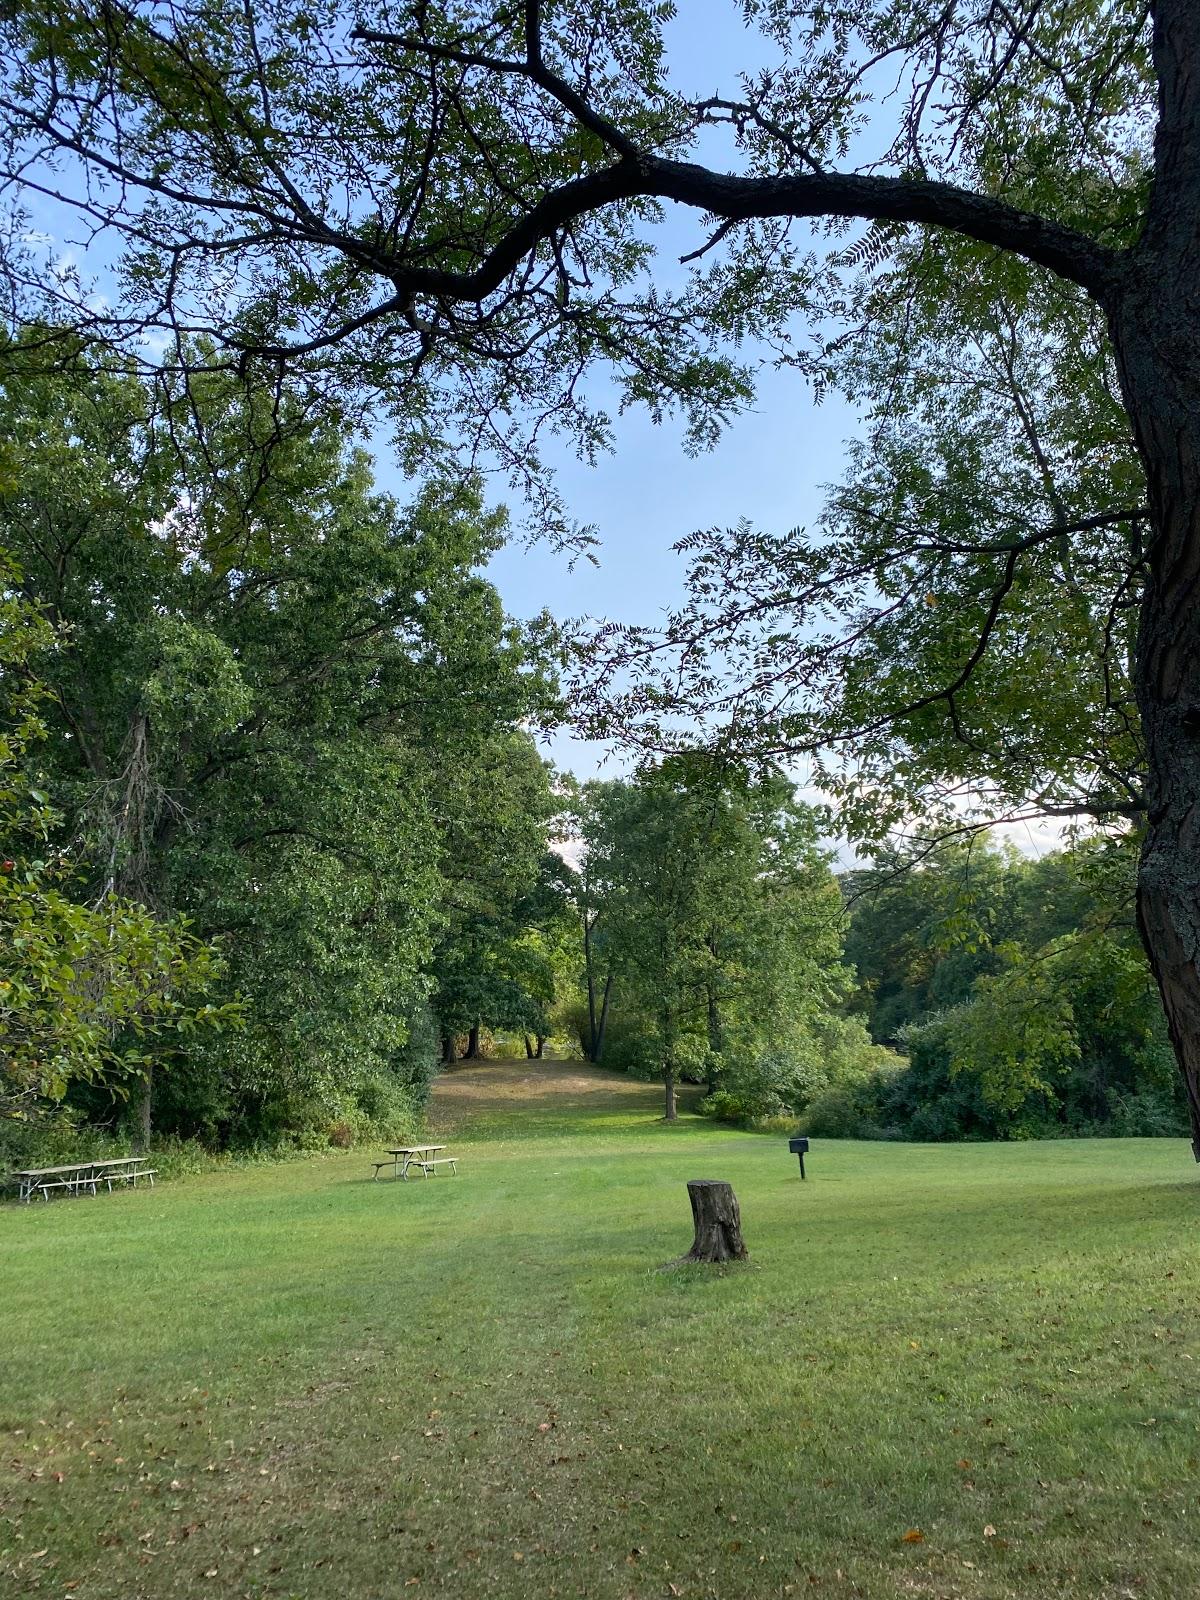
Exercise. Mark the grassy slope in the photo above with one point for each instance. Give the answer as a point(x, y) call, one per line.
point(291, 1381)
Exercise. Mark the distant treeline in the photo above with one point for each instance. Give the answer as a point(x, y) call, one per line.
point(1016, 993)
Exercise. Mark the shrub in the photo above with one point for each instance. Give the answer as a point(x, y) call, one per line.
point(724, 1106)
point(1146, 1114)
point(779, 1083)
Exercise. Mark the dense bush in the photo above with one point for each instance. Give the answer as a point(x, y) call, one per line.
point(934, 1095)
point(1020, 993)
point(831, 1058)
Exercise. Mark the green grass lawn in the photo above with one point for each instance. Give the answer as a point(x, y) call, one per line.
point(291, 1381)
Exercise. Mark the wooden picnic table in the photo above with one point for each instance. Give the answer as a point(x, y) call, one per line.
point(404, 1156)
point(77, 1176)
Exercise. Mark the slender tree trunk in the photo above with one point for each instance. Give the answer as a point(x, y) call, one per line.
point(589, 1044)
point(715, 1022)
point(145, 1107)
point(670, 1112)
point(598, 1053)
point(471, 1053)
point(528, 1048)
point(541, 1044)
point(1155, 320)
point(716, 1026)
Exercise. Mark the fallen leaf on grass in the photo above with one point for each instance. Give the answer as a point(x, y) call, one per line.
point(914, 1536)
point(989, 1532)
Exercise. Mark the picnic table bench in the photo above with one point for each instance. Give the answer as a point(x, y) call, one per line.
point(423, 1156)
point(78, 1176)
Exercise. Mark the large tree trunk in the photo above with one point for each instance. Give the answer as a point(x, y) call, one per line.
point(1155, 319)
point(718, 1223)
point(1168, 690)
point(448, 1051)
point(471, 1053)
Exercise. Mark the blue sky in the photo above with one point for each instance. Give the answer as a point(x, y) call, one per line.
point(769, 468)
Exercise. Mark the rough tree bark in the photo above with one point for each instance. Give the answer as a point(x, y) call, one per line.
point(670, 1113)
point(717, 1221)
point(1154, 316)
point(471, 1053)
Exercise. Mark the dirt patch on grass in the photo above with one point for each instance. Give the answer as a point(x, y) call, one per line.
point(548, 1090)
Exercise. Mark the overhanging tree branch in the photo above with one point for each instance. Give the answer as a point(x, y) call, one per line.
point(732, 199)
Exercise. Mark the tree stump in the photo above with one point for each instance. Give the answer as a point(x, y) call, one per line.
point(718, 1223)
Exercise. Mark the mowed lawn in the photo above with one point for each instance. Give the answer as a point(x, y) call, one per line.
point(948, 1371)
